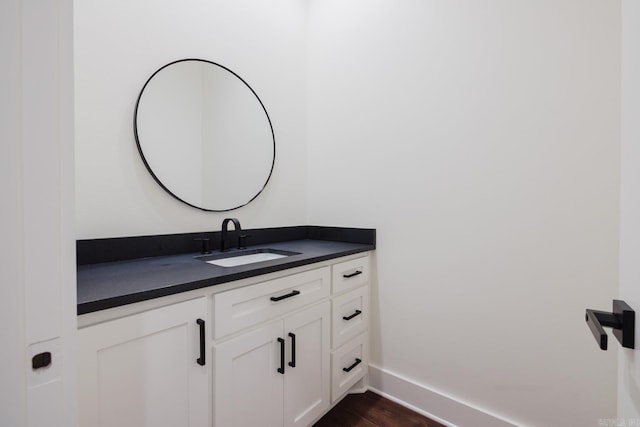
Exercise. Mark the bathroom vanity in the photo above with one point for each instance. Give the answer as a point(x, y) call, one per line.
point(269, 343)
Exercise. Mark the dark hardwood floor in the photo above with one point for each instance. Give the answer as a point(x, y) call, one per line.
point(369, 410)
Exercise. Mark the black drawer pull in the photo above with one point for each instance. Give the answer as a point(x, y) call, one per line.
point(293, 350)
point(355, 273)
point(356, 363)
point(280, 298)
point(281, 368)
point(200, 360)
point(352, 316)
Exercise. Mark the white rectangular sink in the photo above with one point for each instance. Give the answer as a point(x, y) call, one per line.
point(245, 259)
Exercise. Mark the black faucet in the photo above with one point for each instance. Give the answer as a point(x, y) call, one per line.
point(223, 233)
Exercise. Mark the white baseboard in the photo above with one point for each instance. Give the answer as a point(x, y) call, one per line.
point(419, 398)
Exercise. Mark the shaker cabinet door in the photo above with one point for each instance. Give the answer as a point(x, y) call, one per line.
point(247, 383)
point(306, 384)
point(143, 370)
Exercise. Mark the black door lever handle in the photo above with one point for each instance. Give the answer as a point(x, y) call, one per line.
point(622, 320)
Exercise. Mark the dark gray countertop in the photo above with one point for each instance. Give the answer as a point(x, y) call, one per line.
point(112, 284)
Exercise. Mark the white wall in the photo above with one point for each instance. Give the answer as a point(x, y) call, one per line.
point(120, 43)
point(481, 139)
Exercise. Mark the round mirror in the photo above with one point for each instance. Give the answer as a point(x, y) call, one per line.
point(204, 135)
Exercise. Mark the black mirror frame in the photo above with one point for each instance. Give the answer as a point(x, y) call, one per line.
point(144, 160)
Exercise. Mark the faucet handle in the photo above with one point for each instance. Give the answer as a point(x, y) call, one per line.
point(205, 247)
point(242, 241)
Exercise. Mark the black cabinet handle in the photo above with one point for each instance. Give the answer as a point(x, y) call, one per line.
point(293, 350)
point(281, 368)
point(201, 360)
point(356, 363)
point(355, 273)
point(292, 294)
point(352, 316)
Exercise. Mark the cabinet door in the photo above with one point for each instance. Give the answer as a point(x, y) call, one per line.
point(141, 370)
point(306, 385)
point(247, 385)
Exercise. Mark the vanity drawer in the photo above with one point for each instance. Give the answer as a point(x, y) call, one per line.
point(244, 307)
point(348, 365)
point(350, 274)
point(350, 315)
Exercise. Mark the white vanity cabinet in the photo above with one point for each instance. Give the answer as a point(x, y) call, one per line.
point(280, 349)
point(145, 369)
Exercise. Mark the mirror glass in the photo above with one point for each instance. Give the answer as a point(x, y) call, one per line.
point(204, 135)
